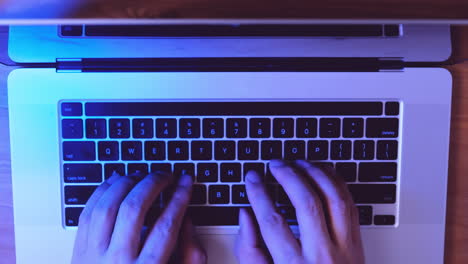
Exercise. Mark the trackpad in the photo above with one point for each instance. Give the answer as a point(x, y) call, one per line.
point(219, 248)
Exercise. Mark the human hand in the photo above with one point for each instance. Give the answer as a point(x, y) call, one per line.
point(111, 224)
point(327, 219)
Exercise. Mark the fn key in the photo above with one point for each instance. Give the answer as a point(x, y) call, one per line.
point(72, 214)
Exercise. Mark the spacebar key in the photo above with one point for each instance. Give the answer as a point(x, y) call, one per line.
point(214, 215)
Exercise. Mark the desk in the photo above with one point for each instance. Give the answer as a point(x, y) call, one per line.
point(457, 214)
point(400, 9)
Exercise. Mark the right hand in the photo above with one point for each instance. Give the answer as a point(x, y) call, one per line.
point(327, 219)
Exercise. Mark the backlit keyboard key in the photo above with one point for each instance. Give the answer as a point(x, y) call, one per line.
point(78, 194)
point(166, 128)
point(178, 150)
point(189, 128)
point(207, 172)
point(236, 128)
point(108, 150)
point(72, 215)
point(317, 150)
point(373, 193)
point(387, 149)
point(294, 150)
point(329, 127)
point(306, 127)
point(364, 150)
point(79, 150)
point(161, 167)
point(137, 168)
point(82, 173)
point(283, 127)
point(111, 168)
point(201, 150)
point(198, 194)
point(72, 109)
point(225, 150)
point(131, 150)
point(260, 128)
point(340, 150)
point(96, 128)
point(247, 150)
point(119, 128)
point(218, 194)
point(377, 171)
point(72, 128)
point(272, 149)
point(230, 172)
point(213, 128)
point(353, 127)
point(184, 169)
point(155, 150)
point(239, 194)
point(259, 168)
point(143, 128)
point(347, 171)
point(382, 127)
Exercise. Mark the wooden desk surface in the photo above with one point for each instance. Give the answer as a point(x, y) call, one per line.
point(408, 9)
point(457, 203)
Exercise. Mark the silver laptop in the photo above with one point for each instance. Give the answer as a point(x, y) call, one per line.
point(89, 100)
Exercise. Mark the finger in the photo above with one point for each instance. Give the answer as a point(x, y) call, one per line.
point(309, 211)
point(248, 245)
point(105, 212)
point(161, 241)
point(192, 250)
point(132, 212)
point(81, 239)
point(339, 203)
point(275, 231)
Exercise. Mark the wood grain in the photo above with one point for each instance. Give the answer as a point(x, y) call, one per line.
point(457, 201)
point(411, 9)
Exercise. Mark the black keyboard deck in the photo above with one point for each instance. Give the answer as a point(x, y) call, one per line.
point(219, 142)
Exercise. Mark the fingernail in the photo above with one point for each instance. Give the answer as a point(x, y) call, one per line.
point(185, 180)
point(277, 163)
point(241, 217)
point(253, 177)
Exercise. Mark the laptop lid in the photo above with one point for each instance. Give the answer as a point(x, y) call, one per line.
point(50, 43)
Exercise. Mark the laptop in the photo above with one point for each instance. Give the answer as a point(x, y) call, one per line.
point(219, 99)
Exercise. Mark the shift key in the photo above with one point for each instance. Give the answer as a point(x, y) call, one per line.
point(82, 173)
point(373, 193)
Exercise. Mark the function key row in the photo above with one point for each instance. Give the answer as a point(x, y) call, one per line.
point(230, 150)
point(230, 128)
point(222, 172)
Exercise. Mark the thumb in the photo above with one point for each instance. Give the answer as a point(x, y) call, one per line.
point(248, 245)
point(191, 248)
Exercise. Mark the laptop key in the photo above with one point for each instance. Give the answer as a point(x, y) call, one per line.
point(202, 150)
point(72, 215)
point(131, 150)
point(178, 150)
point(377, 171)
point(239, 194)
point(96, 128)
point(198, 194)
point(373, 193)
point(137, 168)
point(225, 150)
point(382, 127)
point(71, 109)
point(353, 127)
point(272, 149)
point(247, 150)
point(283, 197)
point(260, 128)
point(213, 127)
point(384, 220)
point(111, 168)
point(306, 127)
point(78, 194)
point(72, 128)
point(329, 127)
point(255, 166)
point(108, 150)
point(317, 150)
point(82, 173)
point(346, 170)
point(392, 108)
point(294, 150)
point(166, 128)
point(207, 172)
point(142, 128)
point(364, 149)
point(365, 214)
point(79, 150)
point(189, 128)
point(269, 176)
point(340, 150)
point(161, 167)
point(236, 128)
point(155, 150)
point(119, 128)
point(283, 127)
point(387, 149)
point(214, 215)
point(230, 172)
point(218, 194)
point(184, 169)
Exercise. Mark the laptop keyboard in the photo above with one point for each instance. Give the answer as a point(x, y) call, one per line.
point(219, 142)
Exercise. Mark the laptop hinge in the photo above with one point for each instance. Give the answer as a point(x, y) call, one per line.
point(232, 64)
